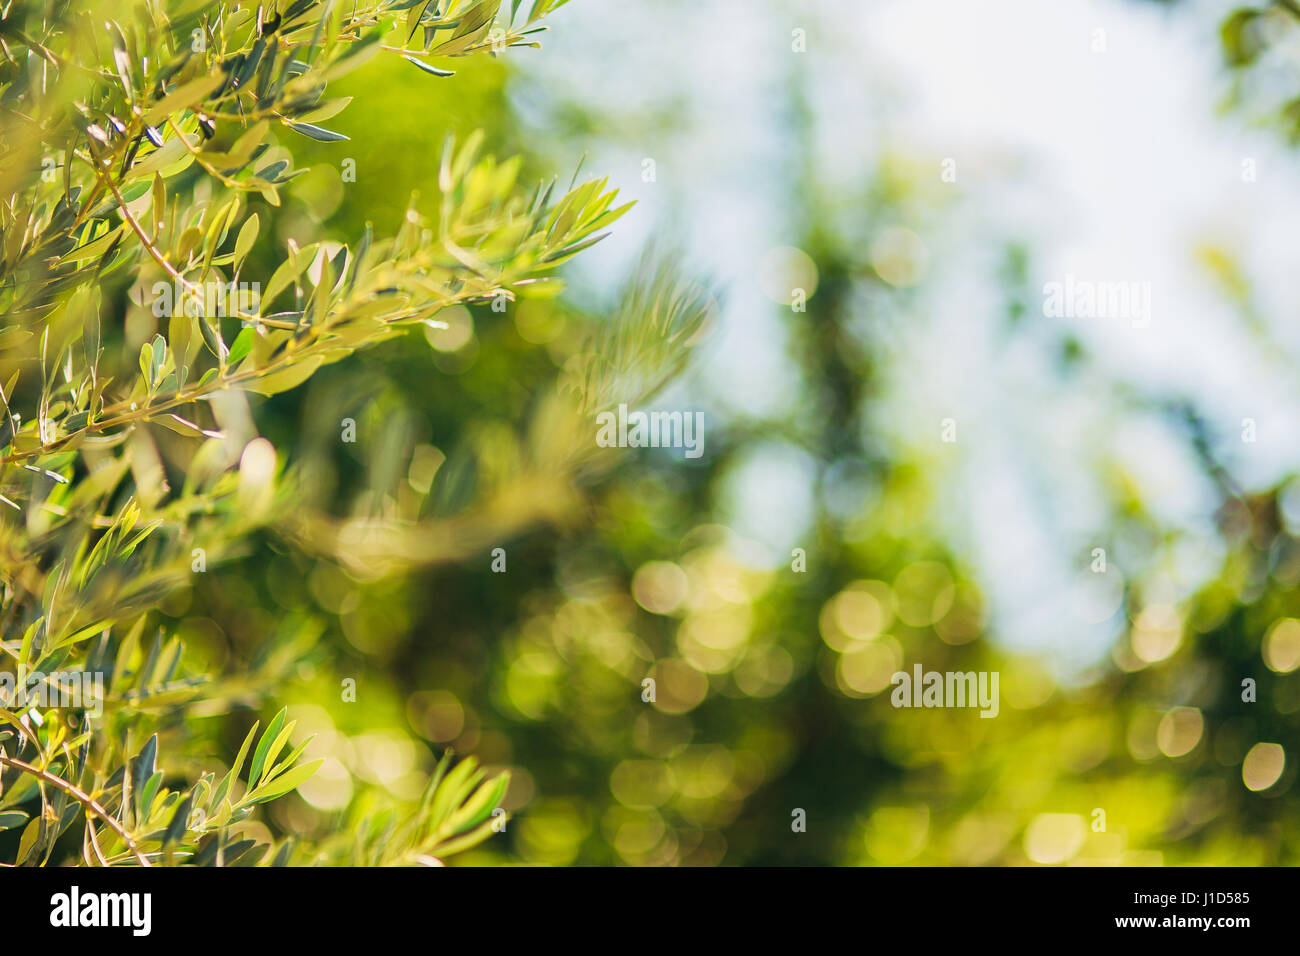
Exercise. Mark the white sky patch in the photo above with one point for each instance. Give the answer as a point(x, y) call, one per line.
point(1121, 171)
point(1111, 166)
point(769, 480)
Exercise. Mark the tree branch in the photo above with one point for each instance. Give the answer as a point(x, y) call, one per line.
point(86, 800)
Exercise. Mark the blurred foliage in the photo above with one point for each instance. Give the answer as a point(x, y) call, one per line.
point(772, 685)
point(440, 560)
point(1258, 44)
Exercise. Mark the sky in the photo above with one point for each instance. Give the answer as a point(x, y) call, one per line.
point(1090, 132)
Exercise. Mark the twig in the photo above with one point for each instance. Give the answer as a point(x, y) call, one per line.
point(86, 800)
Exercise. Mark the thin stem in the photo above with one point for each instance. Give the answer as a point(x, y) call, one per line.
point(198, 158)
point(165, 264)
point(145, 241)
point(86, 800)
point(94, 842)
point(126, 412)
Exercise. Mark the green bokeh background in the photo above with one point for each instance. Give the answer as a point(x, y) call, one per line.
point(772, 685)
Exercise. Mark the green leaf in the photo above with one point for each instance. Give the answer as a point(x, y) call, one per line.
point(242, 345)
point(433, 70)
point(289, 760)
point(224, 787)
point(480, 806)
point(542, 7)
point(459, 844)
point(143, 768)
point(146, 364)
point(96, 248)
point(284, 276)
point(183, 426)
point(247, 236)
point(283, 855)
point(131, 545)
point(25, 649)
point(159, 355)
point(273, 751)
point(288, 781)
point(562, 255)
point(212, 337)
point(287, 378)
point(180, 821)
point(263, 745)
point(317, 133)
point(27, 841)
point(183, 97)
point(149, 792)
point(432, 787)
point(455, 788)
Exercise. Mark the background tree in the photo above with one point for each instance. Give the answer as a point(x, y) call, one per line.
point(155, 274)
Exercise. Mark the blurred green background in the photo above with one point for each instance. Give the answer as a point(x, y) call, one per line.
point(773, 167)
